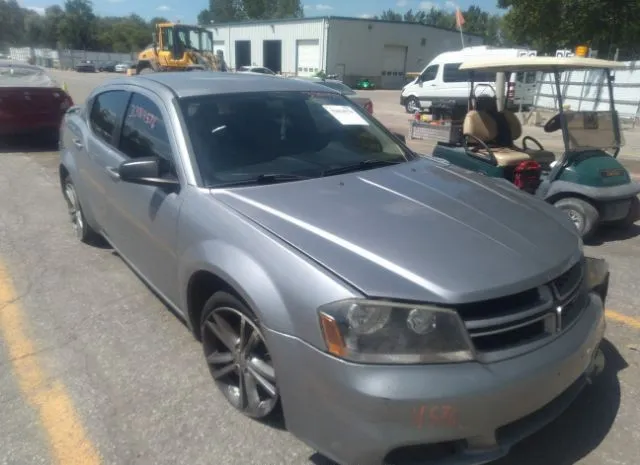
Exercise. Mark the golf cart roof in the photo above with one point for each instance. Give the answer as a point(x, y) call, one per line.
point(544, 64)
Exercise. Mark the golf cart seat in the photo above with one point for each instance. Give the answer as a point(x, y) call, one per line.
point(544, 157)
point(481, 129)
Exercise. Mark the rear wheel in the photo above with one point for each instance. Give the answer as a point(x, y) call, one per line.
point(584, 215)
point(238, 357)
point(81, 228)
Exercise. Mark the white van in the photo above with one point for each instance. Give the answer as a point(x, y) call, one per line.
point(441, 84)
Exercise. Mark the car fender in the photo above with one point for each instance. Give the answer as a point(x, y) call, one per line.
point(68, 161)
point(559, 189)
point(242, 273)
point(262, 275)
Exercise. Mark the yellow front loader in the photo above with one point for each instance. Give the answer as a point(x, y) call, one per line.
point(179, 47)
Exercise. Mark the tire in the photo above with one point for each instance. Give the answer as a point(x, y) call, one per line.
point(412, 102)
point(584, 215)
point(240, 366)
point(81, 228)
point(146, 71)
point(631, 218)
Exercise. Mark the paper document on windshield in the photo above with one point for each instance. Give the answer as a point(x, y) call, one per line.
point(345, 115)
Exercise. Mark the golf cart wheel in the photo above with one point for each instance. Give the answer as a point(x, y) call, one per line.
point(584, 215)
point(412, 105)
point(632, 216)
point(238, 358)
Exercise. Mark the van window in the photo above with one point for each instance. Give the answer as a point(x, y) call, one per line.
point(451, 73)
point(430, 73)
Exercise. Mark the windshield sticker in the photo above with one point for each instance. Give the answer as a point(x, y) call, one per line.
point(147, 117)
point(345, 115)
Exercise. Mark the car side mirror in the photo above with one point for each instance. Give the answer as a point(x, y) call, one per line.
point(400, 136)
point(146, 171)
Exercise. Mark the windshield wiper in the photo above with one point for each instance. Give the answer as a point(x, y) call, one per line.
point(365, 164)
point(266, 178)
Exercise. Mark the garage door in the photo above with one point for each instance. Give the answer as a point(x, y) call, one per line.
point(308, 57)
point(394, 61)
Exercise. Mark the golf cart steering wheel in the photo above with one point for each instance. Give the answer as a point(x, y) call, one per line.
point(535, 141)
point(553, 124)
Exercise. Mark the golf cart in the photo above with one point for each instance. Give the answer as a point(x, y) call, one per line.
point(587, 181)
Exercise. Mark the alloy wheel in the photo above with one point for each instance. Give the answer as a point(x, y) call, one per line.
point(576, 218)
point(239, 362)
point(413, 105)
point(73, 208)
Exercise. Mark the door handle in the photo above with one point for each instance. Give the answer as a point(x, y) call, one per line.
point(77, 143)
point(113, 172)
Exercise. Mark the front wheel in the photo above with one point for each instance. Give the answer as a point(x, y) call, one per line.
point(584, 215)
point(238, 357)
point(412, 105)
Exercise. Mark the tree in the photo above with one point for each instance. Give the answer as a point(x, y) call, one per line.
point(224, 11)
point(549, 25)
point(51, 26)
point(477, 21)
point(77, 30)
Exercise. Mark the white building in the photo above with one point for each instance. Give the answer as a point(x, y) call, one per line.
point(352, 48)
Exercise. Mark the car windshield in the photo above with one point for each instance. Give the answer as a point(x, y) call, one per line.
point(340, 87)
point(24, 76)
point(238, 137)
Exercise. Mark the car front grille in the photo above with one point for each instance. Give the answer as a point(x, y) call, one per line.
point(502, 327)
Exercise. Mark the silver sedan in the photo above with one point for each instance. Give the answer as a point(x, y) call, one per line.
point(385, 303)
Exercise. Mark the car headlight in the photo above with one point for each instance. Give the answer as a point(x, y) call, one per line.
point(371, 331)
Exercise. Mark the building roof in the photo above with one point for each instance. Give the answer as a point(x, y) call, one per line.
point(258, 22)
point(195, 83)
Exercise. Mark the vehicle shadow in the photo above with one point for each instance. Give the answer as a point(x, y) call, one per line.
point(582, 427)
point(611, 234)
point(28, 143)
point(579, 430)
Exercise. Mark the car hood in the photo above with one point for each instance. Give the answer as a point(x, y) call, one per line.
point(417, 231)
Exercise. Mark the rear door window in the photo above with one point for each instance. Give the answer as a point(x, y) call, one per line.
point(452, 73)
point(106, 113)
point(144, 133)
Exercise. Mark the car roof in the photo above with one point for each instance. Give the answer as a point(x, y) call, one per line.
point(196, 83)
point(538, 63)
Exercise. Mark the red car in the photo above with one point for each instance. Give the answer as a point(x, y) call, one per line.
point(31, 102)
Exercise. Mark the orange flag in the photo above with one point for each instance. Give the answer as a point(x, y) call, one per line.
point(459, 19)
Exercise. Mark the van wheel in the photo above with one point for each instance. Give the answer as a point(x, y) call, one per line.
point(412, 105)
point(584, 215)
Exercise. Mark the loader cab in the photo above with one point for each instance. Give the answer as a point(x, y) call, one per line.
point(175, 39)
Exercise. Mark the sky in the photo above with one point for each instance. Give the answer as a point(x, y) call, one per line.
point(188, 11)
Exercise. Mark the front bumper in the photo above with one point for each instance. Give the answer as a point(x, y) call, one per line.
point(468, 413)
